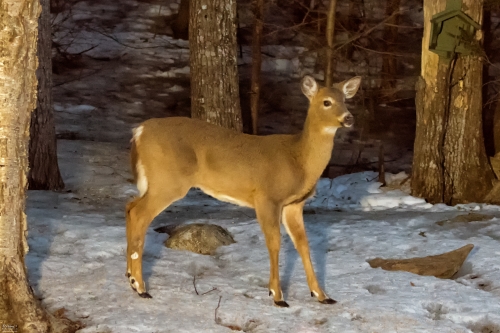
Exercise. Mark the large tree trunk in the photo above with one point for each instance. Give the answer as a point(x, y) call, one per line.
point(214, 73)
point(491, 108)
point(43, 168)
point(19, 310)
point(450, 163)
point(18, 39)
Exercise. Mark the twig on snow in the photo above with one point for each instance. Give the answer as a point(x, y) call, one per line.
point(194, 284)
point(217, 308)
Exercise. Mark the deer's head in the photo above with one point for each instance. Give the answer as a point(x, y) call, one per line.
point(328, 103)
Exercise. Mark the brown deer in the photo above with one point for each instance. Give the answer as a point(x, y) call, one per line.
point(273, 174)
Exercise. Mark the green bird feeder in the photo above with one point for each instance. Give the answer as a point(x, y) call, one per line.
point(449, 31)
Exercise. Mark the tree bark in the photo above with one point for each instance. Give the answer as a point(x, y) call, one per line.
point(44, 171)
point(256, 63)
point(214, 73)
point(180, 25)
point(330, 40)
point(495, 127)
point(491, 108)
point(20, 311)
point(18, 39)
point(389, 64)
point(450, 163)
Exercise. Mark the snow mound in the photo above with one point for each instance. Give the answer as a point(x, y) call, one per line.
point(363, 191)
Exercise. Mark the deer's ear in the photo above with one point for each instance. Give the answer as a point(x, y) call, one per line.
point(351, 86)
point(309, 86)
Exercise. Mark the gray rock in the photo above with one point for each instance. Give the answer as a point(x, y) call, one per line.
point(199, 238)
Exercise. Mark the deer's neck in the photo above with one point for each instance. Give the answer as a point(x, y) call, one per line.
point(315, 146)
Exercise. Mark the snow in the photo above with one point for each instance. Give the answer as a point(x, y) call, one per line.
point(73, 108)
point(77, 259)
point(77, 237)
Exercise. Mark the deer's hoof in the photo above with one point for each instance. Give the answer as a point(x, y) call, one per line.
point(281, 304)
point(145, 295)
point(328, 301)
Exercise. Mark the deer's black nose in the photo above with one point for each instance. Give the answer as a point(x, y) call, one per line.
point(348, 120)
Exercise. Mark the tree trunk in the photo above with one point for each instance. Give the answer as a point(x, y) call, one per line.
point(495, 127)
point(214, 73)
point(330, 40)
point(180, 25)
point(18, 39)
point(256, 63)
point(389, 64)
point(43, 168)
point(20, 311)
point(490, 108)
point(450, 163)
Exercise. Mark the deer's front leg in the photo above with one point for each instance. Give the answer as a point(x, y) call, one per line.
point(294, 223)
point(268, 215)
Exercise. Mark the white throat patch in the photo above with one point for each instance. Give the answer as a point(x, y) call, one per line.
point(329, 130)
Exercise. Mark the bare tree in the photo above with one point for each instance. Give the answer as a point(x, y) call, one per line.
point(180, 25)
point(450, 163)
point(256, 62)
point(330, 39)
point(389, 64)
point(44, 171)
point(214, 73)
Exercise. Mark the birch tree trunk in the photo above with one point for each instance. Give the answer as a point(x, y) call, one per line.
point(44, 171)
point(450, 163)
point(214, 72)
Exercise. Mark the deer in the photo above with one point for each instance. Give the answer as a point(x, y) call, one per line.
point(273, 174)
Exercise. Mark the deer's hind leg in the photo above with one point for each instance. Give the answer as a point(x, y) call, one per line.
point(293, 221)
point(139, 214)
point(268, 215)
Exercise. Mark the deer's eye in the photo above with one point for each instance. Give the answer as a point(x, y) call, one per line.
point(327, 103)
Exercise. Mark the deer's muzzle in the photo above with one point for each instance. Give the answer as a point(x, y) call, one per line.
point(348, 120)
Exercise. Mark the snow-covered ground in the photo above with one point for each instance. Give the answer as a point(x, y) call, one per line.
point(77, 259)
point(77, 237)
